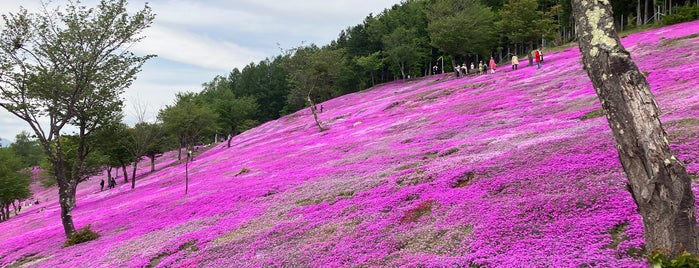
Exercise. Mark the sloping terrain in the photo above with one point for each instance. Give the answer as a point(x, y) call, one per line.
point(513, 169)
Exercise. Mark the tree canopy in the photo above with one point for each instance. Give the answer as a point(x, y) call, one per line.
point(69, 65)
point(14, 181)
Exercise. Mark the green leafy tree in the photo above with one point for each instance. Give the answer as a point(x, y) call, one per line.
point(14, 182)
point(370, 64)
point(28, 149)
point(142, 140)
point(188, 120)
point(461, 28)
point(402, 30)
point(70, 67)
point(404, 49)
point(234, 114)
point(111, 141)
point(314, 74)
point(523, 22)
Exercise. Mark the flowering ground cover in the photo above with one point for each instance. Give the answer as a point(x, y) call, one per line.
point(514, 169)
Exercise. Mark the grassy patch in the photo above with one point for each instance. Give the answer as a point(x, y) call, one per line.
point(593, 114)
point(413, 179)
point(408, 166)
point(188, 246)
point(156, 260)
point(394, 105)
point(26, 261)
point(428, 240)
point(464, 180)
point(308, 201)
point(430, 155)
point(684, 123)
point(618, 233)
point(446, 135)
point(673, 41)
point(448, 152)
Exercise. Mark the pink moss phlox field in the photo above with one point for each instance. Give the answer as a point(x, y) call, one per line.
point(494, 170)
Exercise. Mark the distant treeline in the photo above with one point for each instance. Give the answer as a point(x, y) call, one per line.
point(410, 38)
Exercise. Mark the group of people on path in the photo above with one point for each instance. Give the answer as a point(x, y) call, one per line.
point(538, 58)
point(463, 70)
point(482, 68)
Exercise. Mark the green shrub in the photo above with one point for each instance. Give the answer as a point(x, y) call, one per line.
point(685, 260)
point(243, 171)
point(81, 236)
point(688, 12)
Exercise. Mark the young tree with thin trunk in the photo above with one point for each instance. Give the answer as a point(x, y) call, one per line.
point(68, 67)
point(658, 181)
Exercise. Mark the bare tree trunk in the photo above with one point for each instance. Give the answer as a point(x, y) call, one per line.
point(315, 115)
point(179, 150)
point(133, 174)
point(66, 195)
point(231, 134)
point(658, 182)
point(647, 16)
point(639, 15)
point(126, 173)
point(152, 163)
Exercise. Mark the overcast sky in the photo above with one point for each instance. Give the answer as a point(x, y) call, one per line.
point(195, 40)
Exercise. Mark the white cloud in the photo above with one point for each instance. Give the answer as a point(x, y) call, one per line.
point(196, 49)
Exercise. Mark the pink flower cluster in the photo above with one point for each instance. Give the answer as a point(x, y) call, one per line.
point(496, 170)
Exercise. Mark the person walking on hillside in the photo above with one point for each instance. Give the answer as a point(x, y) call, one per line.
point(515, 62)
point(102, 185)
point(493, 65)
point(538, 58)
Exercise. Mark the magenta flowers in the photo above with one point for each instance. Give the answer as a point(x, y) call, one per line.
point(514, 169)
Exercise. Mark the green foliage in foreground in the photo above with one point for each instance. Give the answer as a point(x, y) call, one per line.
point(685, 260)
point(81, 236)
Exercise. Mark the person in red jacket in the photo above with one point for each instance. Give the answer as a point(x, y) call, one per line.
point(538, 58)
point(492, 65)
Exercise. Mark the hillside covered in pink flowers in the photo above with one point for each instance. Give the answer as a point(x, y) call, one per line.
point(512, 169)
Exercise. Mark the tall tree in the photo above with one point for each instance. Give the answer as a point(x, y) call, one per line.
point(111, 141)
point(69, 65)
point(235, 114)
point(658, 181)
point(314, 74)
point(524, 23)
point(140, 140)
point(402, 31)
point(189, 120)
point(370, 64)
point(461, 28)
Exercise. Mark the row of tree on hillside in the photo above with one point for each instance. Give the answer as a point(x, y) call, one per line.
point(410, 38)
